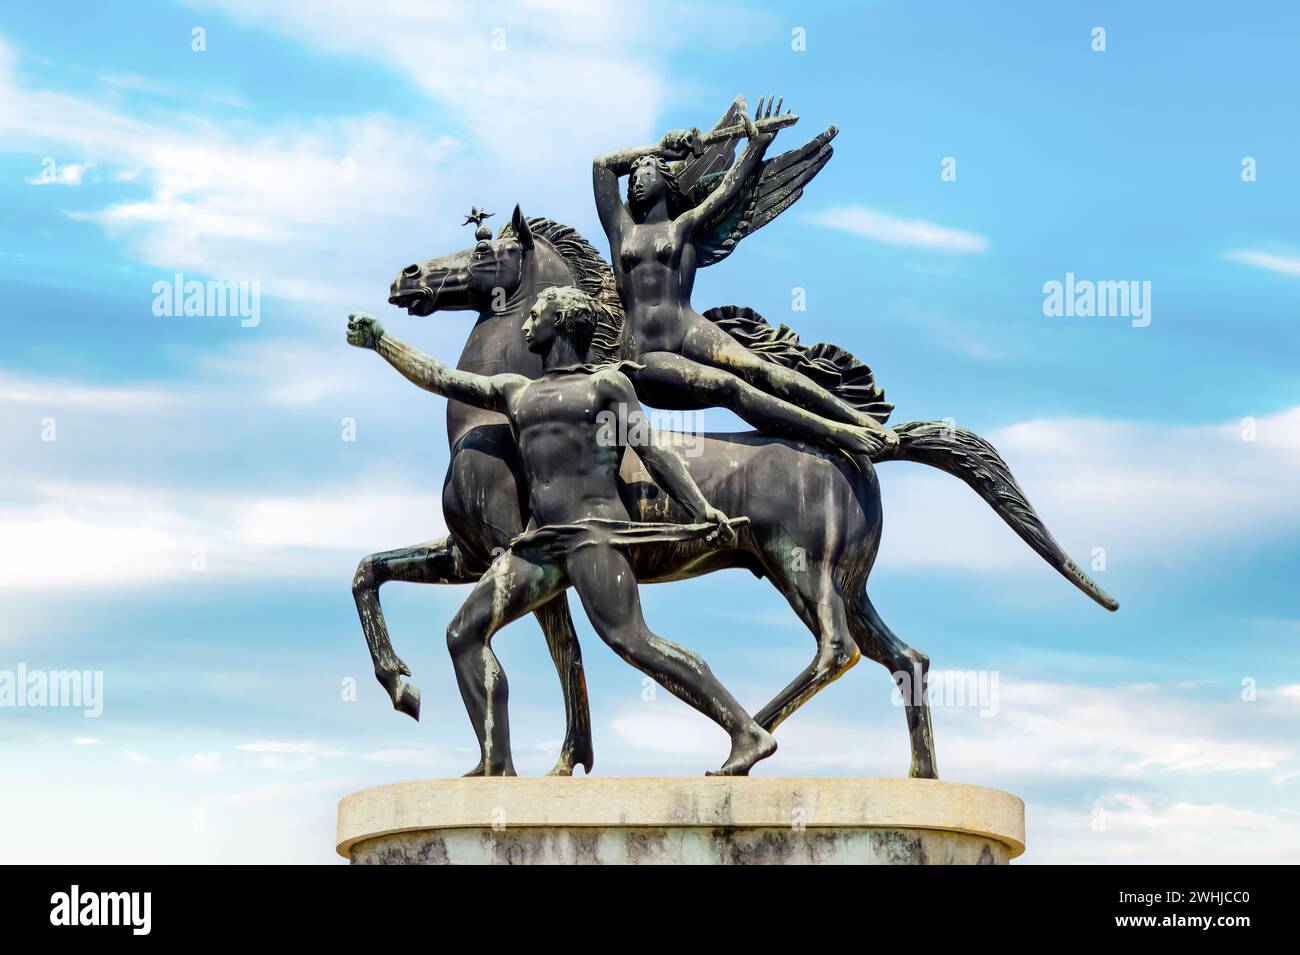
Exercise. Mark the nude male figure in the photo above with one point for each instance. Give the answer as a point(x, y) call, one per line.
point(571, 452)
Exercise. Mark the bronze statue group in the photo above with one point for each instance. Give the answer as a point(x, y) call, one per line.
point(558, 481)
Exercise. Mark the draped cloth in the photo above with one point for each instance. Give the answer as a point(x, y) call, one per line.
point(554, 541)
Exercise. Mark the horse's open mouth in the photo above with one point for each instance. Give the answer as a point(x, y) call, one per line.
point(415, 301)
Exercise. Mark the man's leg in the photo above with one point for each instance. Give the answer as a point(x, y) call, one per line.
point(603, 577)
point(510, 588)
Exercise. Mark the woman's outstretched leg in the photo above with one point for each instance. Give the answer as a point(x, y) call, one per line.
point(669, 380)
point(706, 342)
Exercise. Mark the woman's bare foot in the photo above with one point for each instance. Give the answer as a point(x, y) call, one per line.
point(874, 442)
point(746, 750)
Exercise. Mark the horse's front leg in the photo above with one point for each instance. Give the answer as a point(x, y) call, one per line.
point(433, 562)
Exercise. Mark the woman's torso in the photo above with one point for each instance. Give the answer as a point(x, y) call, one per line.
point(655, 272)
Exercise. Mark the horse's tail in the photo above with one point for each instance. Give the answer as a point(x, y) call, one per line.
point(966, 455)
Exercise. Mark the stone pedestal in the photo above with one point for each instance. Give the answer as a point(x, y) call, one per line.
point(682, 821)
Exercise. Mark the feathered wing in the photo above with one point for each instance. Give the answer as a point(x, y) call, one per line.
point(713, 162)
point(775, 186)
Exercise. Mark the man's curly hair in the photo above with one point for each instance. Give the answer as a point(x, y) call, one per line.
point(575, 313)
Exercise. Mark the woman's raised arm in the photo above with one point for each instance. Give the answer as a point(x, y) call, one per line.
point(727, 190)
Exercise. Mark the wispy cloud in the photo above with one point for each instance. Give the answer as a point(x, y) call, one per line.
point(62, 174)
point(294, 756)
point(893, 230)
point(1274, 262)
point(1128, 828)
point(1041, 730)
point(1167, 495)
point(89, 535)
point(414, 757)
point(1092, 748)
point(267, 203)
point(206, 762)
point(57, 393)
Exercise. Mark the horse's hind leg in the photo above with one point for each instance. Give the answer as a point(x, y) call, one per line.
point(567, 656)
point(815, 599)
point(433, 562)
point(910, 669)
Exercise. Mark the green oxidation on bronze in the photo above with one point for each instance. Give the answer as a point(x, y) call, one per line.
point(556, 421)
point(805, 480)
point(648, 845)
point(686, 208)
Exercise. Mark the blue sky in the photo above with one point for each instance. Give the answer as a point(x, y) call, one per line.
point(316, 149)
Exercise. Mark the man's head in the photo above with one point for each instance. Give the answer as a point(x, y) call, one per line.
point(562, 312)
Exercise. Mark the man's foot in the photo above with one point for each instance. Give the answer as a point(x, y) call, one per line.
point(747, 750)
point(507, 769)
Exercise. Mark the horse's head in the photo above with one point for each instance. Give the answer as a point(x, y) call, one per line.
point(477, 279)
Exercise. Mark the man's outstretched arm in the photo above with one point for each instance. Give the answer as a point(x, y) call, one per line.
point(425, 371)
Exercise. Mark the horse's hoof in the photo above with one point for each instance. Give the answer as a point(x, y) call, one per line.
point(572, 757)
point(406, 699)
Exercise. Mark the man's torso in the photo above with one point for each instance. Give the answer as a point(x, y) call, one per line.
point(569, 449)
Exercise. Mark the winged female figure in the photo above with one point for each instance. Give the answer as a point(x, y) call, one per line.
point(680, 216)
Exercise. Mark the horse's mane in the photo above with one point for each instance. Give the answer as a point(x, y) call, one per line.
point(591, 273)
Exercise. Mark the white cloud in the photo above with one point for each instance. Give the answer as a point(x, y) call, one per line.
point(1286, 264)
point(534, 73)
point(892, 230)
point(268, 204)
point(138, 759)
point(55, 393)
point(300, 747)
point(292, 756)
point(1159, 494)
point(242, 202)
point(206, 762)
point(414, 757)
point(304, 793)
point(63, 174)
point(1172, 745)
point(1038, 731)
point(1127, 828)
point(95, 535)
point(84, 741)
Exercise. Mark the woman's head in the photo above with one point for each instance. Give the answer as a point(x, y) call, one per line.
point(652, 178)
